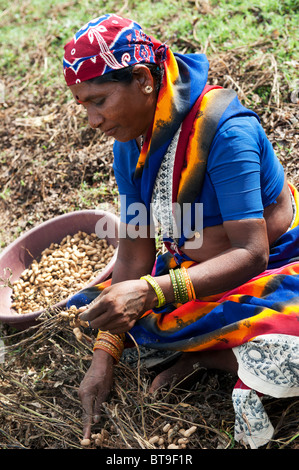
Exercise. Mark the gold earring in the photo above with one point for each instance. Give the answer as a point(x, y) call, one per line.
point(148, 89)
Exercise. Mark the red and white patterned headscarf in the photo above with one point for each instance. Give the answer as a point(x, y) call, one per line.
point(108, 43)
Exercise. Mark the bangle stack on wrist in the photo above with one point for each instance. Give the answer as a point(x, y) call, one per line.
point(157, 289)
point(112, 344)
point(182, 285)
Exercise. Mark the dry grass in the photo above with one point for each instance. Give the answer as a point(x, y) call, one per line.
point(40, 409)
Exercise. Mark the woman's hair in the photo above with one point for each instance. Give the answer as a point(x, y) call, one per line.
point(125, 75)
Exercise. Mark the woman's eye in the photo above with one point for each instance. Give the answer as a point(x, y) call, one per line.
point(100, 102)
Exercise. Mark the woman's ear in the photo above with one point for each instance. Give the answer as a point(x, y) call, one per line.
point(144, 78)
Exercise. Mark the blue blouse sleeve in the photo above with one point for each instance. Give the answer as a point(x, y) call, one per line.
point(234, 167)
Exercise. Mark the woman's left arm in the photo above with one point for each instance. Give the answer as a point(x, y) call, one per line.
point(247, 258)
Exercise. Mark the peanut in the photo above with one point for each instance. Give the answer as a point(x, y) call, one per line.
point(173, 446)
point(166, 427)
point(183, 440)
point(154, 440)
point(190, 431)
point(85, 442)
point(77, 332)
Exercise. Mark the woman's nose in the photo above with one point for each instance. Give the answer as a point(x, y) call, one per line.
point(95, 119)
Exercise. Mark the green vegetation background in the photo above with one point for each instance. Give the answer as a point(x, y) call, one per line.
point(209, 25)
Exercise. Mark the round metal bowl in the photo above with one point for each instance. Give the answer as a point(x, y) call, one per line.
point(18, 256)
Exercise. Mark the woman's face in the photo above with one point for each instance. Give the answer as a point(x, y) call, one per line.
point(124, 111)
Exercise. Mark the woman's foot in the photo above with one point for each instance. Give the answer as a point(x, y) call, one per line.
point(185, 368)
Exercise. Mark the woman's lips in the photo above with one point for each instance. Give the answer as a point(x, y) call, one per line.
point(110, 131)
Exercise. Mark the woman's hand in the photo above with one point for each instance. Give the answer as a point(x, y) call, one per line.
point(119, 306)
point(95, 388)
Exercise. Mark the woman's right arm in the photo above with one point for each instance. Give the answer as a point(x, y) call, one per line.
point(136, 257)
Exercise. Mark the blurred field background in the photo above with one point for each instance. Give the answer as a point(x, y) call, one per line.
point(51, 162)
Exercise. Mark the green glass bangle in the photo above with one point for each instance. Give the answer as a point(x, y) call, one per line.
point(157, 289)
point(182, 286)
point(174, 286)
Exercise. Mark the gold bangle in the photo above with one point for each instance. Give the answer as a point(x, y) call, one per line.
point(109, 348)
point(157, 289)
point(189, 284)
point(109, 336)
point(113, 344)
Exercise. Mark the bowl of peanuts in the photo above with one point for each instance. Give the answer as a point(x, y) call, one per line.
point(50, 263)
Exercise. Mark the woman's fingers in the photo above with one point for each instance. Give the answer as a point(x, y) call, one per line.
point(94, 310)
point(102, 315)
point(106, 323)
point(97, 409)
point(87, 406)
point(95, 388)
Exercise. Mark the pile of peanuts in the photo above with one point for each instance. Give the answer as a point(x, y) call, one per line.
point(98, 439)
point(174, 437)
point(62, 270)
point(72, 317)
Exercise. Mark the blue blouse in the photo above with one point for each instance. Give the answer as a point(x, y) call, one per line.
point(243, 174)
